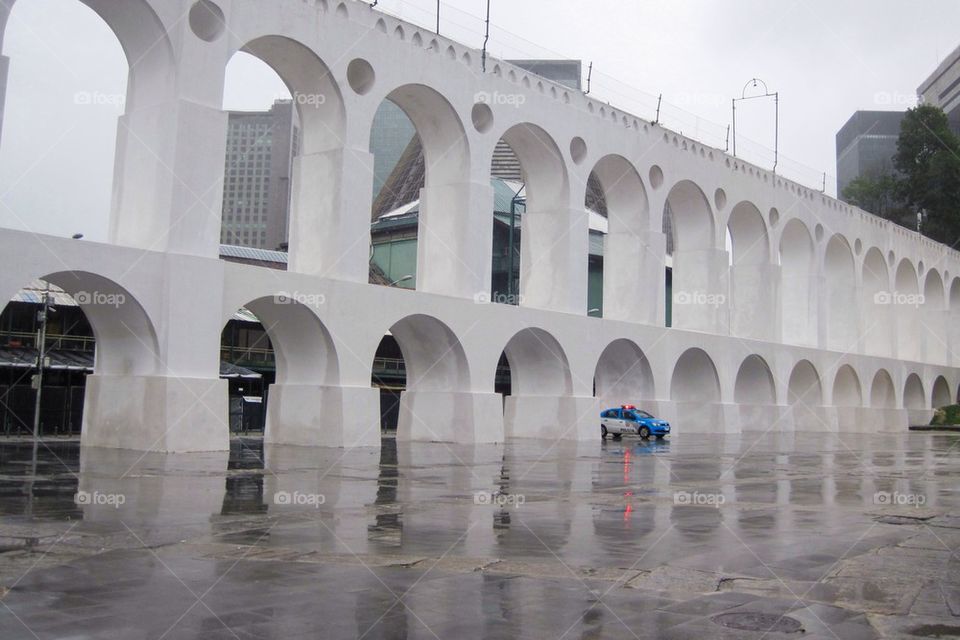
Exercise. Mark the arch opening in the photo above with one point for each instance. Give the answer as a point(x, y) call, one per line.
point(623, 375)
point(905, 302)
point(752, 302)
point(421, 162)
point(840, 280)
point(754, 384)
point(877, 321)
point(616, 202)
point(798, 307)
point(940, 396)
point(914, 397)
point(695, 378)
point(284, 112)
point(846, 388)
point(882, 392)
point(91, 325)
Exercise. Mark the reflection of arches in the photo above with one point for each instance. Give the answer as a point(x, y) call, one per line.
point(623, 374)
point(538, 364)
point(846, 388)
point(940, 396)
point(840, 281)
point(904, 303)
point(126, 340)
point(804, 387)
point(913, 394)
point(882, 393)
point(695, 378)
point(754, 383)
point(303, 348)
point(798, 315)
point(432, 353)
point(877, 320)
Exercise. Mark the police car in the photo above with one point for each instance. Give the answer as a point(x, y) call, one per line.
point(628, 419)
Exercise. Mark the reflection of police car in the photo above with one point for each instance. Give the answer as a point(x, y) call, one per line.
point(628, 419)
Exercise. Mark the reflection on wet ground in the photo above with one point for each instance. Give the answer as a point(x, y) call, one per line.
point(703, 536)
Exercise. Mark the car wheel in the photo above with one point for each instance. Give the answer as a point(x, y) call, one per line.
point(603, 432)
point(644, 432)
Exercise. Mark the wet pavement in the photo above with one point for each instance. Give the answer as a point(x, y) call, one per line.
point(776, 536)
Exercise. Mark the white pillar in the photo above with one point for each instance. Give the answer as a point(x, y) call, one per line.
point(700, 298)
point(633, 277)
point(753, 298)
point(553, 264)
point(455, 239)
point(330, 214)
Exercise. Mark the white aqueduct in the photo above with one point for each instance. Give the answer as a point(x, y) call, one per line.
point(822, 317)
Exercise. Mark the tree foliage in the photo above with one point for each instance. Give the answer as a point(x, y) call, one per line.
point(928, 163)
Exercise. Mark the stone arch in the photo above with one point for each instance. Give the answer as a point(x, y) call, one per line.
point(697, 279)
point(448, 249)
point(846, 388)
point(904, 302)
point(691, 219)
point(883, 395)
point(940, 396)
point(553, 253)
point(840, 281)
point(695, 378)
point(303, 348)
point(752, 300)
point(805, 386)
point(914, 397)
point(433, 355)
point(798, 307)
point(316, 95)
point(877, 318)
point(750, 244)
point(538, 364)
point(625, 243)
point(126, 339)
point(754, 383)
point(933, 317)
point(623, 374)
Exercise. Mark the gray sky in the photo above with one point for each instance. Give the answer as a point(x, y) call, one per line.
point(827, 58)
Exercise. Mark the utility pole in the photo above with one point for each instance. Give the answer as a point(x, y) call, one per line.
point(41, 363)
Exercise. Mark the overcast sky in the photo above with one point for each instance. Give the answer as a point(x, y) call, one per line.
point(827, 58)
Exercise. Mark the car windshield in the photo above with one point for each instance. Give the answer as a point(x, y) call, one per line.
point(642, 414)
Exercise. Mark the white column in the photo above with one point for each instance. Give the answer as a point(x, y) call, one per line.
point(330, 214)
point(553, 263)
point(753, 299)
point(633, 277)
point(700, 298)
point(455, 239)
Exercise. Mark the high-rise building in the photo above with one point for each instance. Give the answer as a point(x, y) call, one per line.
point(866, 146)
point(942, 88)
point(261, 146)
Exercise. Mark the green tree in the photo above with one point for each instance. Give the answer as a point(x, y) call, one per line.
point(928, 160)
point(879, 195)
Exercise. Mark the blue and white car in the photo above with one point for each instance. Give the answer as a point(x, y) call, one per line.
point(628, 419)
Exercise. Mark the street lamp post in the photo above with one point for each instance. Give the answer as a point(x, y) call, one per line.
point(776, 115)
